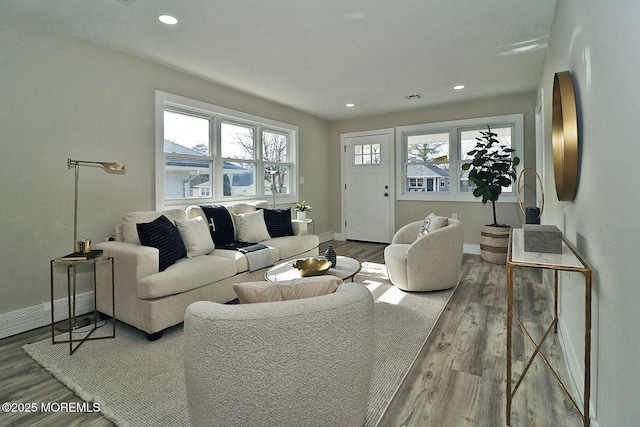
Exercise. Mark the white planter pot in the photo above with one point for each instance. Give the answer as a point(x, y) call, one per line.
point(301, 215)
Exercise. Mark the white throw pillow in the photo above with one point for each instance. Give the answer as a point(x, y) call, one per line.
point(308, 287)
point(431, 223)
point(242, 208)
point(250, 227)
point(196, 236)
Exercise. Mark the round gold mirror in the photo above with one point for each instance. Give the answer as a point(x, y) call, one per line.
point(564, 128)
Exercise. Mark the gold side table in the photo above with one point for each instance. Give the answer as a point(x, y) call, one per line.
point(571, 261)
point(71, 266)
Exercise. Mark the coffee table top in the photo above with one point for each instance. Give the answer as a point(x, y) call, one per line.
point(346, 268)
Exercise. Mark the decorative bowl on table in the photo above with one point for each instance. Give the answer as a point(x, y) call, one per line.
point(312, 266)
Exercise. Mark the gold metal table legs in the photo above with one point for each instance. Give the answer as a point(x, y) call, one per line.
point(512, 316)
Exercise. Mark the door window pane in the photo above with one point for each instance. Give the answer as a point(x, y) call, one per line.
point(366, 154)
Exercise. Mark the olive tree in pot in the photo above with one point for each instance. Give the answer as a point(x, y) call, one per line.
point(492, 168)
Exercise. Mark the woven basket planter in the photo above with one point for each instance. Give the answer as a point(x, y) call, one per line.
point(494, 244)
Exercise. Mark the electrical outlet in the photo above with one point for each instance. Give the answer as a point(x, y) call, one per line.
point(454, 215)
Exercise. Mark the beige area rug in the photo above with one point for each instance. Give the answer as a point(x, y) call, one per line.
point(141, 383)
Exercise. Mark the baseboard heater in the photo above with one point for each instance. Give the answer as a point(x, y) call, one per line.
point(28, 318)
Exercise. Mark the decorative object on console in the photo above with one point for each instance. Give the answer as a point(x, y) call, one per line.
point(330, 255)
point(312, 266)
point(492, 167)
point(301, 210)
point(532, 214)
point(564, 136)
point(542, 238)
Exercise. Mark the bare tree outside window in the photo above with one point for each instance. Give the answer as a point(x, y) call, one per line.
point(274, 154)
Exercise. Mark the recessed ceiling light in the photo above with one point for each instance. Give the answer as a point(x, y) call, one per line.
point(458, 87)
point(350, 105)
point(168, 19)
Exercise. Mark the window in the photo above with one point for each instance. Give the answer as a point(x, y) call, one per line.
point(366, 154)
point(432, 155)
point(207, 153)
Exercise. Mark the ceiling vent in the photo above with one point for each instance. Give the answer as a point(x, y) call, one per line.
point(127, 2)
point(414, 96)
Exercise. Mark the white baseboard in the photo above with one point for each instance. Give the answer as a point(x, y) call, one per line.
point(575, 367)
point(471, 249)
point(28, 318)
point(326, 236)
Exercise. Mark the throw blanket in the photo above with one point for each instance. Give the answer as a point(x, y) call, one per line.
point(258, 256)
point(222, 233)
point(220, 224)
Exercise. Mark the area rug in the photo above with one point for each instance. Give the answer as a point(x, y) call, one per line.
point(141, 383)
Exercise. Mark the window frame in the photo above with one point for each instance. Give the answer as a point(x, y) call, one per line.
point(217, 114)
point(454, 128)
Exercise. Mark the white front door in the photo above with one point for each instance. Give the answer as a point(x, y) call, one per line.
point(368, 187)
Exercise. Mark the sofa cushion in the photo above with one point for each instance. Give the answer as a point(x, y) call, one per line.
point(196, 236)
point(250, 227)
point(278, 222)
point(222, 231)
point(290, 246)
point(242, 264)
point(431, 223)
point(129, 221)
point(164, 236)
point(241, 208)
point(255, 292)
point(186, 274)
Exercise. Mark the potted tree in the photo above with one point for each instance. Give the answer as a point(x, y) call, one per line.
point(491, 169)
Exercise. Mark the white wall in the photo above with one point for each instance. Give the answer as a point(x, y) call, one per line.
point(598, 42)
point(61, 97)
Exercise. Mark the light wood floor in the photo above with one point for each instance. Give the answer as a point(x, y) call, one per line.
point(458, 379)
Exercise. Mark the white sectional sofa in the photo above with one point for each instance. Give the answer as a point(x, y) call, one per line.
point(153, 297)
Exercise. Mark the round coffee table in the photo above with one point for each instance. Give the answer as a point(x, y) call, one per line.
point(346, 268)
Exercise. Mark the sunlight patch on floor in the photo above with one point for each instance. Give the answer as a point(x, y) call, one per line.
point(392, 296)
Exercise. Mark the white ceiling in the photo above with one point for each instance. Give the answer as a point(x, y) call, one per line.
point(318, 55)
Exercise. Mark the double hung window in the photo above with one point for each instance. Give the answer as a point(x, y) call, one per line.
point(431, 156)
point(210, 153)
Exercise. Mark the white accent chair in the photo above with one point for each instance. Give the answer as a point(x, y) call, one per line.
point(304, 362)
point(429, 263)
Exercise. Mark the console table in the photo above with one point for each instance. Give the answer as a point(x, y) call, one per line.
point(568, 260)
point(71, 266)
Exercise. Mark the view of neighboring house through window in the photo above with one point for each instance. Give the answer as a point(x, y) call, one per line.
point(188, 159)
point(427, 166)
point(212, 153)
point(432, 156)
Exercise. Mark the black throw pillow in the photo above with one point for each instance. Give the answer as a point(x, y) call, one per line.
point(278, 222)
point(163, 235)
